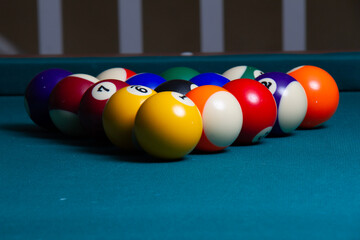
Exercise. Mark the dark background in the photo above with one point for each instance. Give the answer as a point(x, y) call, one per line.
point(91, 26)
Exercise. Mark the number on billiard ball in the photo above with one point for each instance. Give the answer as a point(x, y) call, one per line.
point(93, 103)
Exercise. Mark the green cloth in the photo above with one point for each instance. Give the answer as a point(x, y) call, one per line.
point(305, 186)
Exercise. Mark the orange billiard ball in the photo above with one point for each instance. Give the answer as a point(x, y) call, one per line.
point(322, 94)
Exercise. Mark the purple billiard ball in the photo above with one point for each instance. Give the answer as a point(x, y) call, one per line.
point(290, 98)
point(209, 79)
point(37, 95)
point(149, 80)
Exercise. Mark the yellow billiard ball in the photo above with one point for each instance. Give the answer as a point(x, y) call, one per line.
point(119, 115)
point(168, 125)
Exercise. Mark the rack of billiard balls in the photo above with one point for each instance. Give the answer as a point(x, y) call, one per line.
point(171, 114)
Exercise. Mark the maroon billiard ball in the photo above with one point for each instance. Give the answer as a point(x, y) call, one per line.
point(93, 102)
point(65, 100)
point(258, 106)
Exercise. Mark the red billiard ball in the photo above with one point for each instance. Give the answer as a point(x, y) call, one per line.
point(93, 102)
point(321, 91)
point(258, 107)
point(65, 100)
point(221, 114)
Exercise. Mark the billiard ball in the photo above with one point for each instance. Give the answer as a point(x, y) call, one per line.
point(37, 96)
point(321, 91)
point(290, 98)
point(221, 114)
point(119, 115)
point(116, 73)
point(242, 72)
point(176, 85)
point(184, 73)
point(92, 105)
point(168, 125)
point(209, 79)
point(150, 80)
point(65, 100)
point(258, 107)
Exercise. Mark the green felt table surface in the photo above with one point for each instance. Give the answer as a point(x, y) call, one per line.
point(304, 186)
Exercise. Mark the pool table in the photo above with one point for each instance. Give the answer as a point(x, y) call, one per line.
point(302, 186)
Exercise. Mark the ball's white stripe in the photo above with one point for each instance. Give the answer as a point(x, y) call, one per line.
point(222, 119)
point(292, 108)
point(113, 73)
point(234, 72)
point(85, 76)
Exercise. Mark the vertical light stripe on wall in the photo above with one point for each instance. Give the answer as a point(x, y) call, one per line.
point(212, 25)
point(50, 33)
point(130, 26)
point(294, 25)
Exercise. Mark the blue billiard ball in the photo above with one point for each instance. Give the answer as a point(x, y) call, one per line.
point(290, 98)
point(209, 79)
point(149, 80)
point(37, 95)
